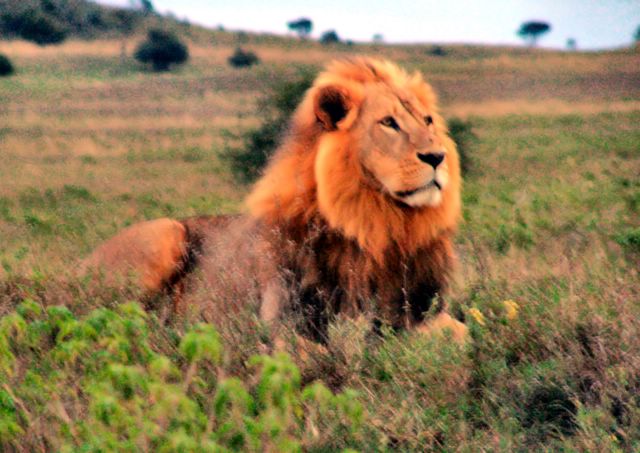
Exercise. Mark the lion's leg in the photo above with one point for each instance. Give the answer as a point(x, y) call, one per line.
point(443, 322)
point(274, 297)
point(147, 254)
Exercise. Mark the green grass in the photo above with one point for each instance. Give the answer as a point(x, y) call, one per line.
point(551, 220)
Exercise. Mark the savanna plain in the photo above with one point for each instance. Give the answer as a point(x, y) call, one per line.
point(547, 281)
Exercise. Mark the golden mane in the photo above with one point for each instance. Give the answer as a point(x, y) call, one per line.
point(326, 232)
point(316, 173)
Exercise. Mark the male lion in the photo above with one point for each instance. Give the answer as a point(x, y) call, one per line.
point(355, 211)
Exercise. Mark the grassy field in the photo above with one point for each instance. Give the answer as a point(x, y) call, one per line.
point(548, 277)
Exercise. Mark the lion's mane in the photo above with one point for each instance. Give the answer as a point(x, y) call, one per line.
point(320, 233)
point(355, 236)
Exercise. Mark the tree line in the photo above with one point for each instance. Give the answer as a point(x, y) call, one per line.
point(47, 22)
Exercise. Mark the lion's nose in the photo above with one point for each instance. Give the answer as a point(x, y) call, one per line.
point(433, 159)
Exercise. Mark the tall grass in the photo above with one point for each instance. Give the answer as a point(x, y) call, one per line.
point(548, 277)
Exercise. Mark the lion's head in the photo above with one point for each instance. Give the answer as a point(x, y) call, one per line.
point(369, 153)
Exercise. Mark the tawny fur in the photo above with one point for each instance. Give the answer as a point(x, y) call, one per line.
point(327, 230)
point(147, 254)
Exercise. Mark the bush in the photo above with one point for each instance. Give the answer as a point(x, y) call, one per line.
point(276, 107)
point(120, 391)
point(629, 239)
point(437, 51)
point(259, 144)
point(6, 68)
point(243, 58)
point(162, 49)
point(461, 132)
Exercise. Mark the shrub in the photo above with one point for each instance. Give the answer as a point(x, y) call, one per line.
point(6, 68)
point(243, 58)
point(437, 51)
point(259, 144)
point(277, 106)
point(629, 239)
point(120, 391)
point(162, 49)
point(461, 132)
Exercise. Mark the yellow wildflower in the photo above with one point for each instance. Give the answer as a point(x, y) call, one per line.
point(477, 315)
point(511, 308)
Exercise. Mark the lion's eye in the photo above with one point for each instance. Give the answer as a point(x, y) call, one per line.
point(429, 120)
point(389, 121)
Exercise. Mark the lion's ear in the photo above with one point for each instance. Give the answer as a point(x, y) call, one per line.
point(334, 107)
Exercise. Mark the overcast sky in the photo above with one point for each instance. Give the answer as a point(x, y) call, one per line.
point(593, 24)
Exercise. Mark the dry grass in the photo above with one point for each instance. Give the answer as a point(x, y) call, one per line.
point(90, 144)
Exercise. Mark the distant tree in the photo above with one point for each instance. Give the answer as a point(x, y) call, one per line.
point(6, 68)
point(636, 36)
point(378, 38)
point(243, 58)
point(147, 7)
point(329, 37)
point(572, 44)
point(532, 30)
point(162, 49)
point(302, 26)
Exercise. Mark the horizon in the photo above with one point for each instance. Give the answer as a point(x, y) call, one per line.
point(593, 25)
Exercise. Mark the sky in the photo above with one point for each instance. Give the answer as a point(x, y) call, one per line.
point(593, 24)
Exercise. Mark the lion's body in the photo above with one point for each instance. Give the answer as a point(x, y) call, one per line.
point(348, 216)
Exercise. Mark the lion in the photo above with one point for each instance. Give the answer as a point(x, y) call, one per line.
point(355, 211)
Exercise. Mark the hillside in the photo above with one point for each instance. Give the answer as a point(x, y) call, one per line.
point(548, 276)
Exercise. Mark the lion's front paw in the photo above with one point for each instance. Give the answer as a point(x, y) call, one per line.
point(443, 322)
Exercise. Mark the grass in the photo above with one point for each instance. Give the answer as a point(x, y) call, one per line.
point(548, 276)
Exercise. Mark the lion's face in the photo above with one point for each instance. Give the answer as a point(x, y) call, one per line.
point(369, 154)
point(400, 147)
point(396, 134)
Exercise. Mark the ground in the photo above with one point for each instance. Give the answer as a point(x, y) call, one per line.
point(548, 277)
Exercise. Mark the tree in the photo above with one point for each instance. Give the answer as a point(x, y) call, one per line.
point(572, 44)
point(329, 37)
point(378, 38)
point(532, 30)
point(636, 36)
point(34, 25)
point(6, 68)
point(162, 49)
point(302, 26)
point(50, 21)
point(146, 6)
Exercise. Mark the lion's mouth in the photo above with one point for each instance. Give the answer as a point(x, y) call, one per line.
point(408, 193)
